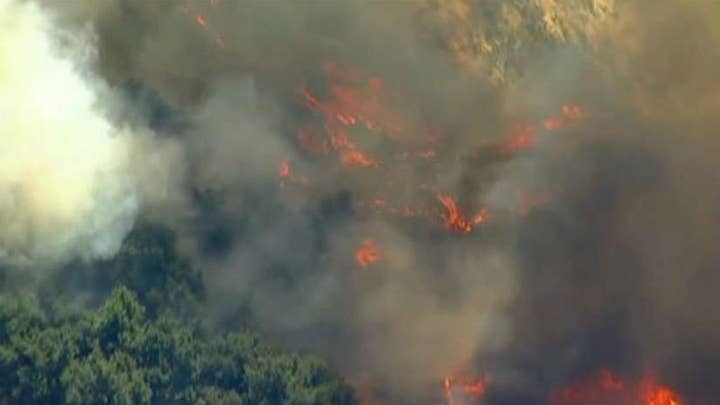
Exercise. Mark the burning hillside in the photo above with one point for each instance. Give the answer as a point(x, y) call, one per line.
point(451, 201)
point(606, 388)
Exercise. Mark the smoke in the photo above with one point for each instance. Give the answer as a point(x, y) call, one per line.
point(618, 271)
point(279, 260)
point(66, 185)
point(615, 266)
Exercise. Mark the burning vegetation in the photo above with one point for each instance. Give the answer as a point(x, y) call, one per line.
point(367, 253)
point(464, 389)
point(357, 100)
point(608, 388)
point(353, 130)
point(494, 184)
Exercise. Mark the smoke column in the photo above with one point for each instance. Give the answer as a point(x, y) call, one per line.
point(66, 188)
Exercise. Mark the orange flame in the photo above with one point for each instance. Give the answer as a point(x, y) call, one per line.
point(659, 395)
point(453, 218)
point(200, 19)
point(469, 386)
point(570, 114)
point(608, 388)
point(285, 169)
point(354, 99)
point(367, 254)
point(521, 137)
point(354, 157)
point(285, 173)
point(480, 217)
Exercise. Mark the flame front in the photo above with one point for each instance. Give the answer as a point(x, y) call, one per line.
point(356, 100)
point(606, 387)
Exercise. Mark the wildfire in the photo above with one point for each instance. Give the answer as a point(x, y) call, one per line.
point(356, 100)
point(471, 386)
point(451, 215)
point(480, 217)
point(606, 387)
point(354, 157)
point(285, 169)
point(521, 137)
point(202, 21)
point(353, 100)
point(570, 114)
point(454, 219)
point(367, 254)
point(285, 173)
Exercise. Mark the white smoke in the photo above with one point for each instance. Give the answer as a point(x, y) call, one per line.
point(66, 184)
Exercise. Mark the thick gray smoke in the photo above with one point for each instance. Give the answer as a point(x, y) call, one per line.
point(286, 258)
point(618, 270)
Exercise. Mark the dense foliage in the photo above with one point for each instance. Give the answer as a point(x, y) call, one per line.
point(143, 344)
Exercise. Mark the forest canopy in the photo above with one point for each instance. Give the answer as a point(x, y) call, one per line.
point(143, 344)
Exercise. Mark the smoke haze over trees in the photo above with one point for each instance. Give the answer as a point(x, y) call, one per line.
point(446, 200)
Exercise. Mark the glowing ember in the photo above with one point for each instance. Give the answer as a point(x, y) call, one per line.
point(480, 217)
point(453, 218)
point(354, 157)
point(201, 20)
point(606, 387)
point(659, 395)
point(553, 123)
point(570, 115)
point(285, 169)
point(285, 173)
point(573, 112)
point(521, 137)
point(472, 387)
point(367, 254)
point(412, 212)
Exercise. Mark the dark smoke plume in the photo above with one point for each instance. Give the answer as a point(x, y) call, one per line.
point(616, 269)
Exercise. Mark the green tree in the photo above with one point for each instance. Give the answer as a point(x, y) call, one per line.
point(99, 379)
point(120, 355)
point(149, 264)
